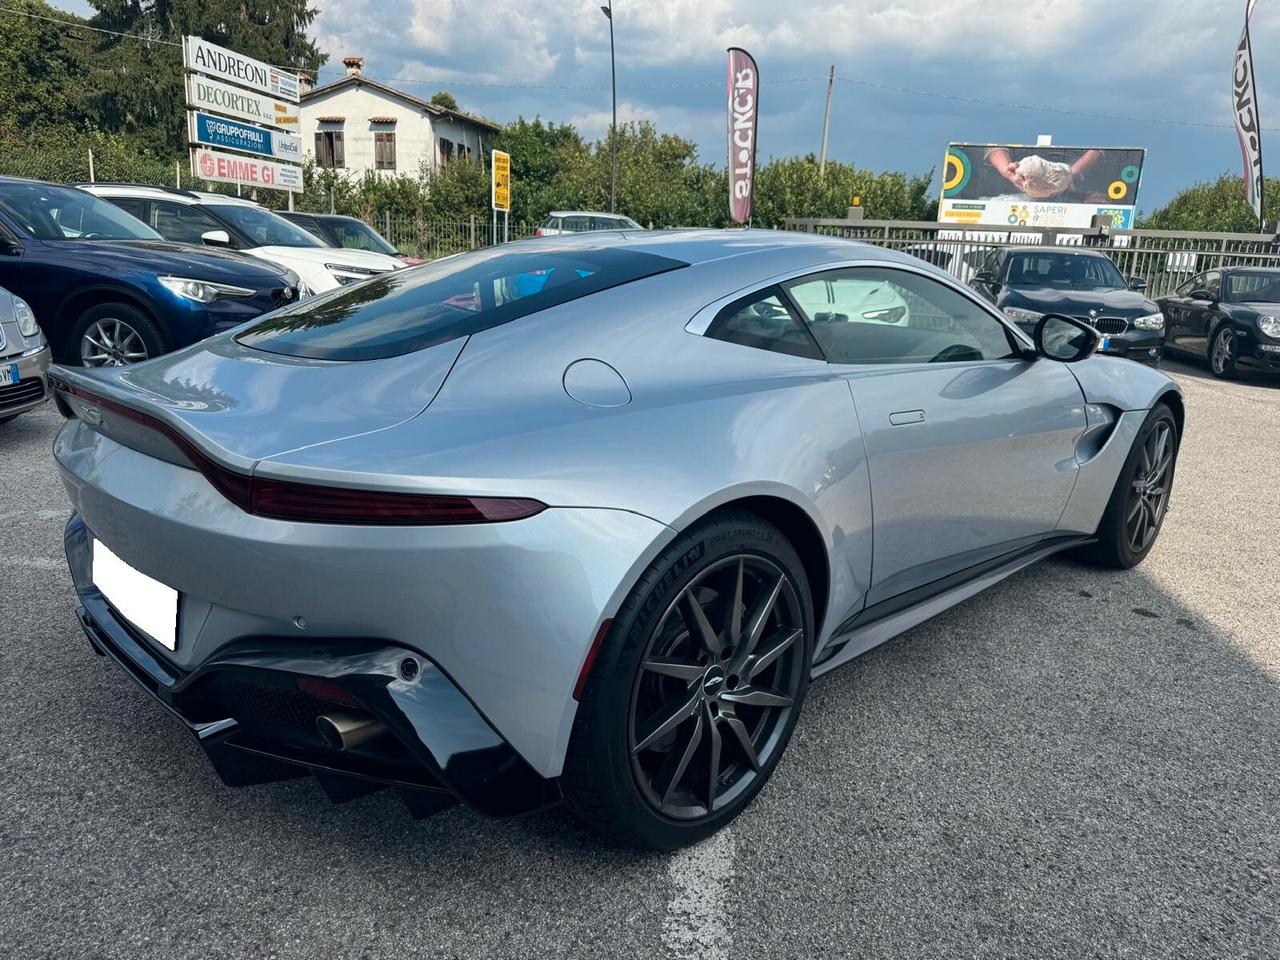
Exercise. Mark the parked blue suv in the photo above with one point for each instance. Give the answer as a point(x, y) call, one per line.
point(108, 290)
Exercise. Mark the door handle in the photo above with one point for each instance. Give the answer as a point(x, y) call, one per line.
point(906, 417)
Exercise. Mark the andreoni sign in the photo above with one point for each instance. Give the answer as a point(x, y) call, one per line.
point(218, 97)
point(234, 135)
point(223, 64)
point(232, 168)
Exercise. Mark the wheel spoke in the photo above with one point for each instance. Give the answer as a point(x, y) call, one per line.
point(1133, 513)
point(669, 716)
point(760, 616)
point(678, 762)
point(701, 627)
point(670, 667)
point(713, 769)
point(757, 697)
point(743, 737)
point(734, 625)
point(770, 652)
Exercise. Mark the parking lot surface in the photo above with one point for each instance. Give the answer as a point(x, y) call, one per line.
point(1076, 763)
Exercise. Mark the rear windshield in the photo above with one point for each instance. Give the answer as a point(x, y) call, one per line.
point(406, 310)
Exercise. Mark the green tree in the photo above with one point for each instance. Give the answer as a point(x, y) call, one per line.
point(443, 98)
point(1219, 206)
point(137, 85)
point(40, 88)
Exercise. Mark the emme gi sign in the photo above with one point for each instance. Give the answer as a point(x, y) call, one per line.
point(232, 168)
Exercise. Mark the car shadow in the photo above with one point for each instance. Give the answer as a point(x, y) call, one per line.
point(1188, 366)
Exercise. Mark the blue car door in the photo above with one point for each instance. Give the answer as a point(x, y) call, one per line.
point(970, 442)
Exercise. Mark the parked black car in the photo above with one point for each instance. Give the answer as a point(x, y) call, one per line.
point(108, 290)
point(1230, 316)
point(1028, 282)
point(339, 231)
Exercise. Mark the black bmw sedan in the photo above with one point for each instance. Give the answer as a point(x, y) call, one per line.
point(1230, 316)
point(1028, 282)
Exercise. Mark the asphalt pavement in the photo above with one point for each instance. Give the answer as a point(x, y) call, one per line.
point(1076, 763)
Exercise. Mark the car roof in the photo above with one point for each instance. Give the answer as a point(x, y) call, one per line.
point(588, 213)
point(178, 195)
point(1055, 248)
point(317, 216)
point(702, 245)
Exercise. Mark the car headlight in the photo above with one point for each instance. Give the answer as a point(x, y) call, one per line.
point(202, 291)
point(26, 318)
point(1018, 315)
point(1152, 321)
point(1270, 326)
point(346, 274)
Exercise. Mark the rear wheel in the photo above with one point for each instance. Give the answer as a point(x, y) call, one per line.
point(696, 689)
point(1140, 500)
point(1222, 353)
point(113, 335)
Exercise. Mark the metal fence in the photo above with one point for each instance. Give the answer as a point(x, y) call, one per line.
point(1165, 258)
point(432, 239)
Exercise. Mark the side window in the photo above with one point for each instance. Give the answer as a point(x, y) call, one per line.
point(131, 206)
point(577, 224)
point(181, 223)
point(1186, 288)
point(606, 223)
point(764, 320)
point(880, 315)
point(1213, 283)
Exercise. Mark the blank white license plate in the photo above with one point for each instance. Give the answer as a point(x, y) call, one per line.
point(148, 604)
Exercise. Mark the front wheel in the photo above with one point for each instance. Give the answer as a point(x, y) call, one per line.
point(1222, 353)
point(113, 335)
point(1140, 500)
point(696, 688)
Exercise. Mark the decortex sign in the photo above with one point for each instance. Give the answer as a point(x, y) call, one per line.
point(237, 103)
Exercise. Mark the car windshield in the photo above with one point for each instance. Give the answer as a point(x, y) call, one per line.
point(262, 227)
point(358, 235)
point(406, 310)
point(1259, 287)
point(1077, 271)
point(65, 213)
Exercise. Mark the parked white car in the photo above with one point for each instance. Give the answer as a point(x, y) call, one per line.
point(191, 216)
point(580, 221)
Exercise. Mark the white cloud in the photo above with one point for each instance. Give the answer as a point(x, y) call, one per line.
point(595, 123)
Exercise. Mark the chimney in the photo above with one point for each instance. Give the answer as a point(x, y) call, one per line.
point(354, 65)
point(306, 83)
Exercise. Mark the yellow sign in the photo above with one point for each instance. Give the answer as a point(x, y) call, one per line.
point(501, 182)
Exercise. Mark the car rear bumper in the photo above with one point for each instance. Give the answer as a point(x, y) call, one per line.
point(254, 707)
point(507, 611)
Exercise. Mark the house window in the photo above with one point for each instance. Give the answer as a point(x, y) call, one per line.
point(446, 151)
point(329, 149)
point(384, 150)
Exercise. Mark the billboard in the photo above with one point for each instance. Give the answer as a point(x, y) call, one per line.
point(234, 168)
point(215, 96)
point(744, 114)
point(1040, 186)
point(500, 180)
point(234, 135)
point(220, 63)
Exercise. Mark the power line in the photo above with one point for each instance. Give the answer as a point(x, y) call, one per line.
point(873, 84)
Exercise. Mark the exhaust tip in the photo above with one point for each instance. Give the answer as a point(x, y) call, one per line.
point(342, 731)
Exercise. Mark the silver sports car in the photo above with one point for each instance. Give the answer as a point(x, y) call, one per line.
point(579, 518)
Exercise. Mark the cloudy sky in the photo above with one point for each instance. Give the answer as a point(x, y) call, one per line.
point(1150, 60)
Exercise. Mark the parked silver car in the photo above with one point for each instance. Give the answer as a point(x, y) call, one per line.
point(579, 518)
point(24, 358)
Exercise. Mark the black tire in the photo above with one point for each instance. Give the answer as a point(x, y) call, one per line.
point(1117, 546)
point(1222, 353)
point(607, 776)
point(152, 338)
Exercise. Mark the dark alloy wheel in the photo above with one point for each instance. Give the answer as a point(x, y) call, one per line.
point(1140, 500)
point(1149, 489)
point(716, 686)
point(696, 688)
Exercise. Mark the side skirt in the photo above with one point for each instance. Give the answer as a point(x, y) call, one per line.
point(883, 621)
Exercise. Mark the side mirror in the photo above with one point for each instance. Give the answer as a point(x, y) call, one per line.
point(1201, 295)
point(1137, 283)
point(216, 238)
point(9, 244)
point(985, 277)
point(1066, 339)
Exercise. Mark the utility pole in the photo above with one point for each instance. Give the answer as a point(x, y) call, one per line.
point(826, 123)
point(613, 127)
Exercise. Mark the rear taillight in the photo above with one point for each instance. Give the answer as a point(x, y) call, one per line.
point(316, 503)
